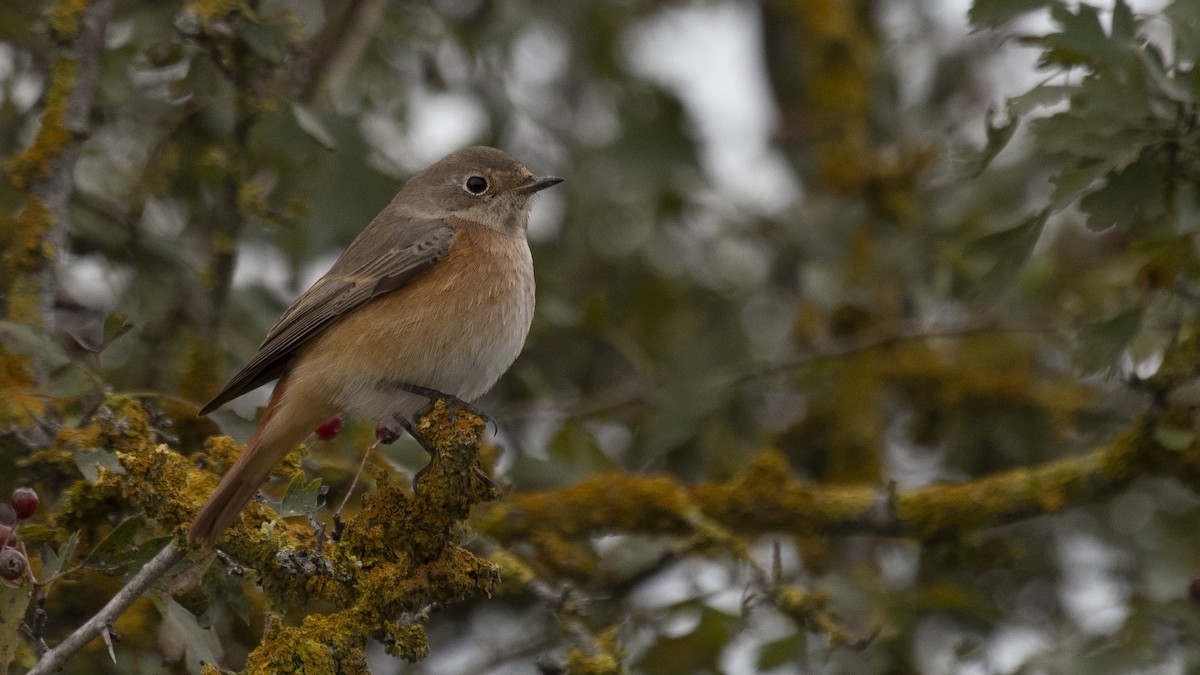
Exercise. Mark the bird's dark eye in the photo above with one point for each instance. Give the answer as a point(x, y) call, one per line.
point(476, 185)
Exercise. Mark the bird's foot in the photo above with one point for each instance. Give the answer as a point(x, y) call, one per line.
point(453, 403)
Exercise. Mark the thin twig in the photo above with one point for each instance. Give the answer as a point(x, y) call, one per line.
point(54, 659)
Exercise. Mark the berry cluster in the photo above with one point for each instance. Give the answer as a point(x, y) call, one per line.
point(13, 562)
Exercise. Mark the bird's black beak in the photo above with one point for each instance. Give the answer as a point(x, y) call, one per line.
point(538, 183)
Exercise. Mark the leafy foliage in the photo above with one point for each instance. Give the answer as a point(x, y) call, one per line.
point(910, 388)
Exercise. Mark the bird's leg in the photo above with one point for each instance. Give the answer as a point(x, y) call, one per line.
point(453, 403)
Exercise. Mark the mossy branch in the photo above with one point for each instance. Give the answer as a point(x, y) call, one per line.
point(771, 498)
point(44, 169)
point(395, 560)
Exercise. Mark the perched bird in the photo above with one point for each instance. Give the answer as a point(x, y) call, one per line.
point(436, 294)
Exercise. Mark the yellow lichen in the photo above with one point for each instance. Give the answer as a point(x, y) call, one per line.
point(33, 165)
point(211, 10)
point(65, 16)
point(604, 659)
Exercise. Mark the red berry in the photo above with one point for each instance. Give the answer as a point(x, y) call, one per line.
point(12, 564)
point(330, 428)
point(24, 502)
point(7, 537)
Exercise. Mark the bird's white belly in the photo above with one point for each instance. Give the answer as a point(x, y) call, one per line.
point(464, 332)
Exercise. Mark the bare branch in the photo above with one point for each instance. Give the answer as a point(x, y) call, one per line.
point(54, 659)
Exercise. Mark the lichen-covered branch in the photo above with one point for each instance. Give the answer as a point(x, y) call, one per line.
point(37, 234)
point(395, 557)
point(44, 169)
point(771, 498)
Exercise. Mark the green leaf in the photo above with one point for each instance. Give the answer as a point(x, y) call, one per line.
point(301, 498)
point(89, 463)
point(1071, 183)
point(13, 603)
point(1104, 342)
point(115, 325)
point(998, 137)
point(33, 343)
point(1174, 438)
point(1131, 198)
point(136, 556)
point(1081, 41)
point(1011, 249)
point(1123, 25)
point(1039, 96)
point(55, 562)
point(181, 631)
point(780, 652)
point(1160, 81)
point(993, 13)
point(117, 543)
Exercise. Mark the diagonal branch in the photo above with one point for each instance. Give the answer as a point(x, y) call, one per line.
point(54, 659)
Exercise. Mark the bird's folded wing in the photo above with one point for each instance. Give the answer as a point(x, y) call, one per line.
point(385, 257)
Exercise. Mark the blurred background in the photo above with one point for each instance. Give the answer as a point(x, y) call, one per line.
point(899, 242)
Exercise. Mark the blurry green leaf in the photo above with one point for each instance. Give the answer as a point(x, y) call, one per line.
point(1010, 249)
point(679, 407)
point(266, 39)
point(993, 13)
point(998, 137)
point(1081, 40)
point(781, 652)
point(694, 652)
point(1039, 96)
point(182, 633)
point(33, 343)
point(1108, 131)
point(13, 603)
point(1159, 81)
point(115, 325)
point(576, 454)
point(1132, 197)
point(1123, 25)
point(313, 126)
point(135, 557)
point(1182, 17)
point(55, 562)
point(301, 498)
point(89, 463)
point(1104, 342)
point(1174, 438)
point(230, 592)
point(118, 542)
point(1069, 184)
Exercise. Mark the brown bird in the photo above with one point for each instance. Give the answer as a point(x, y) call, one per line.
point(436, 293)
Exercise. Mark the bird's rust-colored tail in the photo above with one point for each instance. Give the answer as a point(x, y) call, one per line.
point(277, 435)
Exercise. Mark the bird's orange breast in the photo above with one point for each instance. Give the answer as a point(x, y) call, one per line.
point(455, 328)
